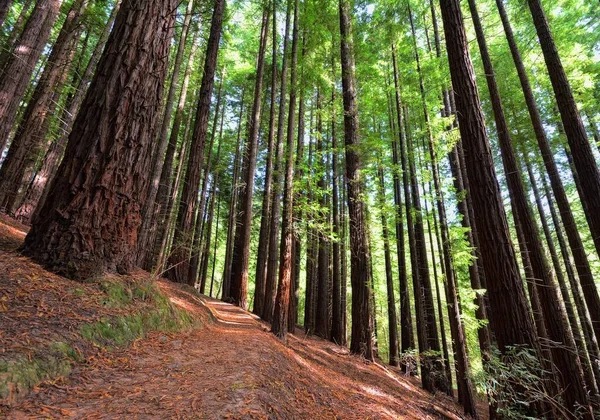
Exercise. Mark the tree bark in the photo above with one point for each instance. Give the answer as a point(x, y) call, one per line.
point(37, 190)
point(31, 133)
point(233, 216)
point(583, 157)
point(263, 238)
point(179, 261)
point(562, 344)
point(21, 63)
point(359, 259)
point(274, 240)
point(497, 254)
point(571, 229)
point(408, 336)
point(89, 222)
point(241, 247)
point(391, 301)
point(283, 299)
point(147, 230)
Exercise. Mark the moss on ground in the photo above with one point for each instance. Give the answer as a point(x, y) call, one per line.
point(152, 312)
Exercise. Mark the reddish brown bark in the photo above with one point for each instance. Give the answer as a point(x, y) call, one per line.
point(89, 222)
point(263, 237)
point(553, 312)
point(21, 63)
point(148, 229)
point(30, 136)
point(283, 299)
point(37, 190)
point(583, 157)
point(238, 281)
point(179, 261)
point(359, 258)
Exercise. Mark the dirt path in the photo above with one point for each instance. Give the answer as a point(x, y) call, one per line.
point(231, 368)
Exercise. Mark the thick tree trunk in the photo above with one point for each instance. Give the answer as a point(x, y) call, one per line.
point(283, 299)
point(30, 136)
point(359, 259)
point(179, 261)
point(263, 237)
point(562, 344)
point(22, 61)
point(497, 254)
point(311, 244)
point(89, 223)
point(147, 230)
point(37, 190)
point(579, 254)
point(583, 157)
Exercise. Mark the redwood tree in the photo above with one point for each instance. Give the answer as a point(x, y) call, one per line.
point(22, 61)
point(359, 257)
point(89, 222)
point(179, 270)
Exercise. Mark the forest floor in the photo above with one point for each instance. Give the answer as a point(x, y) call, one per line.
point(223, 364)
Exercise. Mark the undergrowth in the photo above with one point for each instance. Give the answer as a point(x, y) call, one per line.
point(152, 311)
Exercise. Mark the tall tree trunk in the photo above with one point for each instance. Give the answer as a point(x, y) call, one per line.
point(179, 261)
point(562, 344)
point(407, 336)
point(31, 133)
point(311, 245)
point(298, 175)
point(204, 196)
point(147, 230)
point(233, 216)
point(37, 190)
point(163, 203)
point(391, 301)
point(497, 254)
point(205, 256)
point(274, 240)
point(589, 375)
point(238, 280)
point(359, 259)
point(89, 222)
point(323, 313)
point(432, 367)
point(22, 61)
point(336, 315)
point(583, 157)
point(582, 312)
point(15, 31)
point(283, 299)
point(263, 237)
point(579, 254)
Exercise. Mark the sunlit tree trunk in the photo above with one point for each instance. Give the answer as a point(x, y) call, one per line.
point(183, 237)
point(89, 222)
point(359, 259)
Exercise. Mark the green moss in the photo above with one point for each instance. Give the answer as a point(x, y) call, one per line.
point(117, 331)
point(17, 377)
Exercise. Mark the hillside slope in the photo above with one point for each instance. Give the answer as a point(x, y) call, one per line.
point(222, 364)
